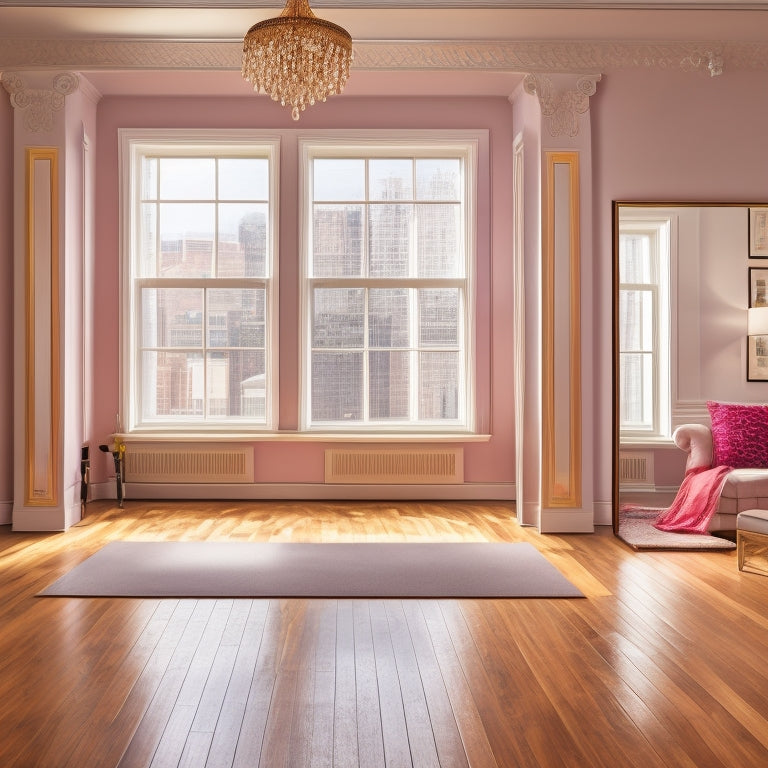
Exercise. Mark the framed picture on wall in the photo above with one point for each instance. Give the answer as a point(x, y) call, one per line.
point(758, 233)
point(758, 287)
point(757, 358)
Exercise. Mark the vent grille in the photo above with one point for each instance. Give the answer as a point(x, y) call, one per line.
point(636, 468)
point(183, 464)
point(395, 466)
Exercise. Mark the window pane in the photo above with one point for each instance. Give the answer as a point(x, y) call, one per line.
point(337, 241)
point(339, 179)
point(388, 317)
point(236, 317)
point(636, 321)
point(235, 384)
point(243, 178)
point(438, 385)
point(337, 386)
point(338, 317)
point(147, 256)
point(252, 388)
point(438, 317)
point(187, 178)
point(389, 240)
point(636, 384)
point(186, 239)
point(438, 179)
point(204, 221)
point(390, 179)
point(388, 385)
point(439, 240)
point(242, 245)
point(149, 178)
point(172, 317)
point(635, 263)
point(172, 385)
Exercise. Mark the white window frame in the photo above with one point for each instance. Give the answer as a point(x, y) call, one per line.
point(134, 143)
point(418, 144)
point(660, 230)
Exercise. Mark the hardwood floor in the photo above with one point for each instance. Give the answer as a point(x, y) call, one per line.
point(664, 664)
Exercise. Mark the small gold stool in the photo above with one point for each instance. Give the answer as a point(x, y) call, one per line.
point(752, 541)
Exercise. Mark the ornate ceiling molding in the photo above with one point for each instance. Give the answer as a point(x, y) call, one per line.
point(562, 105)
point(39, 104)
point(512, 56)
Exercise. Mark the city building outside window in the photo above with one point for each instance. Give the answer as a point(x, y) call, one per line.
point(200, 273)
point(386, 258)
point(387, 298)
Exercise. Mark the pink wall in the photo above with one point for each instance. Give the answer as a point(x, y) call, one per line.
point(6, 309)
point(491, 462)
point(669, 136)
point(680, 136)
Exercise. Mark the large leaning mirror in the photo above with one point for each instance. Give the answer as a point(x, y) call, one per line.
point(684, 277)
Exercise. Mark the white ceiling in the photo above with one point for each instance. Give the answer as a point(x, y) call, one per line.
point(405, 47)
point(229, 20)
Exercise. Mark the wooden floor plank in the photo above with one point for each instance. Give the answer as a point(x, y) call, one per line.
point(474, 737)
point(343, 726)
point(156, 718)
point(394, 728)
point(661, 666)
point(421, 735)
point(448, 742)
point(370, 737)
point(257, 709)
point(229, 724)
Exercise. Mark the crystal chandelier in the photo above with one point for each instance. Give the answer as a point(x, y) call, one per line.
point(297, 58)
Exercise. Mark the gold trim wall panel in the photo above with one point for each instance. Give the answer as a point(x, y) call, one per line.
point(561, 334)
point(42, 375)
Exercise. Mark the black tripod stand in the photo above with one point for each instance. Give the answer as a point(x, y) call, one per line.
point(118, 454)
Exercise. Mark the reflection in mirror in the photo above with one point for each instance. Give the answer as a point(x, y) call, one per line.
point(682, 285)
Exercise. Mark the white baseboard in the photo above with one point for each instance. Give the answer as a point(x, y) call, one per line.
point(39, 519)
point(603, 512)
point(308, 491)
point(6, 512)
point(567, 521)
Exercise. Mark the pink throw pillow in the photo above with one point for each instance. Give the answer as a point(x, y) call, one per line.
point(739, 435)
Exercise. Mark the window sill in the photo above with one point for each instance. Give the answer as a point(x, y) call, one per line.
point(657, 441)
point(300, 437)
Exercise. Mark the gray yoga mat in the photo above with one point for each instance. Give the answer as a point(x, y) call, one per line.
point(276, 569)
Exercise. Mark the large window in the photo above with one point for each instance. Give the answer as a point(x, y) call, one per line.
point(200, 278)
point(388, 261)
point(382, 262)
point(644, 327)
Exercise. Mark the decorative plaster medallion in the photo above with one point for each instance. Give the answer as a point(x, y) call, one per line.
point(39, 104)
point(562, 107)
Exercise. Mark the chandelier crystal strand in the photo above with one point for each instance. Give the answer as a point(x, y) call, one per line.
point(296, 58)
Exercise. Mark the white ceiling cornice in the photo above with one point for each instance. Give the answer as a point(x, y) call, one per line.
point(709, 5)
point(500, 56)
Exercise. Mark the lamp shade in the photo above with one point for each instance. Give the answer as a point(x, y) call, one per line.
point(757, 321)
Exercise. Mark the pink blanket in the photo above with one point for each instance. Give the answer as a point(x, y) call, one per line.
point(696, 501)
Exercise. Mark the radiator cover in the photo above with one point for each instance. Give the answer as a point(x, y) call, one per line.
point(396, 466)
point(183, 463)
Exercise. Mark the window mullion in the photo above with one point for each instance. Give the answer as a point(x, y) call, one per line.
point(413, 355)
point(366, 394)
point(204, 342)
